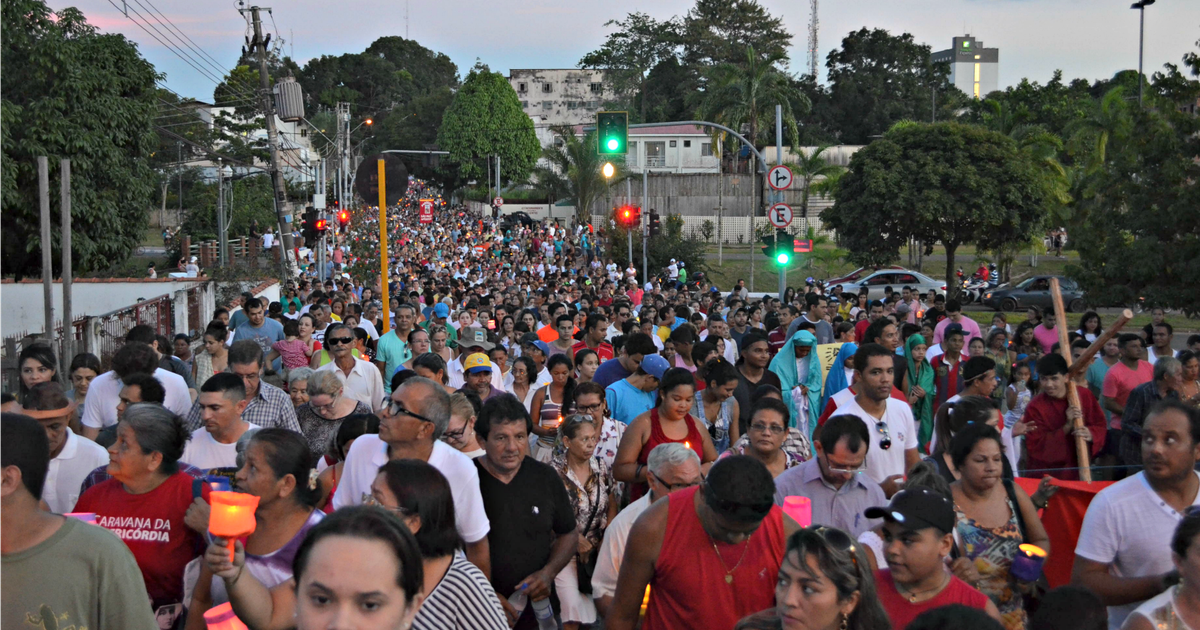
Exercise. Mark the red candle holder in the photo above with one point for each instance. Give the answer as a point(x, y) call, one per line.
point(232, 516)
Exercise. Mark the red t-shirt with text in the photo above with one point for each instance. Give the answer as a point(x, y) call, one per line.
point(152, 526)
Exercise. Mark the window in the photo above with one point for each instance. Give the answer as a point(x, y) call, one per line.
point(547, 88)
point(304, 132)
point(706, 149)
point(570, 104)
point(524, 104)
point(687, 143)
point(522, 87)
point(597, 88)
point(978, 66)
point(547, 104)
point(880, 280)
point(672, 144)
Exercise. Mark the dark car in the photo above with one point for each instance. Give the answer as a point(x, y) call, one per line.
point(1034, 291)
point(517, 219)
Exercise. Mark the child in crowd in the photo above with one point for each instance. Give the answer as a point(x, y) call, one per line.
point(294, 351)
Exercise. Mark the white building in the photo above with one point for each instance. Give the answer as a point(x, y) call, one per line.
point(561, 97)
point(671, 149)
point(295, 143)
point(973, 69)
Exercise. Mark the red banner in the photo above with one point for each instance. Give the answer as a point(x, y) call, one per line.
point(425, 215)
point(1063, 518)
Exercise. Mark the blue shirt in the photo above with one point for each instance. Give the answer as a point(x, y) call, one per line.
point(626, 402)
point(610, 372)
point(265, 336)
point(392, 352)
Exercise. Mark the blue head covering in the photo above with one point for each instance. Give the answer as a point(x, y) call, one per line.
point(784, 366)
point(836, 381)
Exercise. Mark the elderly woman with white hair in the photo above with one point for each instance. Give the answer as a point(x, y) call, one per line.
point(325, 410)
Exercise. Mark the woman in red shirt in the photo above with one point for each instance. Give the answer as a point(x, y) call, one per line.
point(669, 421)
point(146, 500)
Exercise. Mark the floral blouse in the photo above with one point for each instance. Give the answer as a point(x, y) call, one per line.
point(589, 500)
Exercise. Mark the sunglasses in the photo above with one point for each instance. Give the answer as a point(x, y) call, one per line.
point(839, 541)
point(337, 341)
point(885, 442)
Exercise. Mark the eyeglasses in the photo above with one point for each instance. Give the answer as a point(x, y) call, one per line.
point(395, 408)
point(885, 442)
point(337, 341)
point(590, 408)
point(768, 428)
point(369, 499)
point(454, 435)
point(672, 487)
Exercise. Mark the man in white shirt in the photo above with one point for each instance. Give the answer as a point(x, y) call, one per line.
point(214, 446)
point(1124, 549)
point(100, 407)
point(71, 457)
point(671, 467)
point(360, 379)
point(410, 427)
point(471, 340)
point(890, 422)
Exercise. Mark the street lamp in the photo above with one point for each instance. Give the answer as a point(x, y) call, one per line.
point(1141, 5)
point(607, 169)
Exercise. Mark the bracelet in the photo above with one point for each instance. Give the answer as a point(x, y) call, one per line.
point(237, 577)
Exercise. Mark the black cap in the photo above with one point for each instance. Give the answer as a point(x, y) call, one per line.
point(916, 509)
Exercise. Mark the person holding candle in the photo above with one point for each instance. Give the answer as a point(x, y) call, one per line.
point(58, 572)
point(823, 584)
point(671, 466)
point(277, 472)
point(146, 500)
point(918, 536)
point(668, 422)
point(548, 412)
point(834, 479)
point(715, 405)
point(710, 554)
point(994, 517)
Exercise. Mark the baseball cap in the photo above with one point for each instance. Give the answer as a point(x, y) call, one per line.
point(477, 363)
point(474, 337)
point(916, 509)
point(441, 310)
point(655, 365)
point(952, 328)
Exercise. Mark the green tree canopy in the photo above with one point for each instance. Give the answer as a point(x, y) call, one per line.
point(392, 71)
point(70, 92)
point(718, 31)
point(628, 55)
point(877, 79)
point(484, 120)
point(572, 171)
point(747, 93)
point(946, 182)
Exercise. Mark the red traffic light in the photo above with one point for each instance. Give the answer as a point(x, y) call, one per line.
point(343, 217)
point(321, 224)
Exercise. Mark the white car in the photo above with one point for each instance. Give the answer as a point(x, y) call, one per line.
point(897, 279)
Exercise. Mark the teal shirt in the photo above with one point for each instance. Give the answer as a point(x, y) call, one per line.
point(392, 352)
point(1095, 379)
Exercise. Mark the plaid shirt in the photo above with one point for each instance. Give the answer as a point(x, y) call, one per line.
point(271, 408)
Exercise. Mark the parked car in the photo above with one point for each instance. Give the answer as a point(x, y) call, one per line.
point(517, 219)
point(897, 279)
point(1035, 291)
point(857, 274)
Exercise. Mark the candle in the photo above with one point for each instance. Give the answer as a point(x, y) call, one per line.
point(1027, 564)
point(86, 517)
point(645, 601)
point(800, 509)
point(232, 516)
point(222, 618)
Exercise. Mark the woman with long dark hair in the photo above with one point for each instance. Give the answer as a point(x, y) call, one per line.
point(38, 365)
point(551, 404)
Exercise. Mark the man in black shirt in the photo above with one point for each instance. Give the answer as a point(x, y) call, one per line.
point(752, 371)
point(535, 534)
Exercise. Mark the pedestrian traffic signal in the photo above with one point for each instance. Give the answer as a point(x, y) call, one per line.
point(779, 247)
point(308, 227)
point(343, 217)
point(612, 129)
point(655, 224)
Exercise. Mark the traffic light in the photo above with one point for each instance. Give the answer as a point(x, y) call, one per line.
point(612, 129)
point(308, 228)
point(320, 226)
point(779, 247)
point(629, 217)
point(343, 218)
point(655, 224)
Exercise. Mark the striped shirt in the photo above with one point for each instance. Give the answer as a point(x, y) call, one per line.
point(463, 600)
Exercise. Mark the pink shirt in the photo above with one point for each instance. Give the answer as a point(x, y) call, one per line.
point(1046, 337)
point(970, 329)
point(1121, 380)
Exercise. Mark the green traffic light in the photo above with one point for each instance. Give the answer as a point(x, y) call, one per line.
point(613, 144)
point(782, 258)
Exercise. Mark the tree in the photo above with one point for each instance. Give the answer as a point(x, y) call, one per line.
point(718, 31)
point(629, 54)
point(572, 171)
point(877, 79)
point(946, 182)
point(747, 94)
point(485, 120)
point(667, 90)
point(71, 92)
point(392, 71)
point(414, 125)
point(809, 168)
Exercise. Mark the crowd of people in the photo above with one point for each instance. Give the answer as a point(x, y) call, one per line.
point(526, 435)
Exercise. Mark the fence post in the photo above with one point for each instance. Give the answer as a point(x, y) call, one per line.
point(91, 336)
point(180, 307)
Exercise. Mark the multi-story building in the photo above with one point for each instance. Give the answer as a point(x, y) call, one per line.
point(561, 97)
point(295, 144)
point(973, 69)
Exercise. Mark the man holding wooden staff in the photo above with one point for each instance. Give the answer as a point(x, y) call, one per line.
point(1052, 435)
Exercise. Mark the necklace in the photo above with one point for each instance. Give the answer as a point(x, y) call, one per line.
point(728, 571)
point(912, 596)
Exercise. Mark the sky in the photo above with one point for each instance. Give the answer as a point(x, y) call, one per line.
point(1089, 39)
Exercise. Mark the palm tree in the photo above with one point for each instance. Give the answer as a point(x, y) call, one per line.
point(571, 169)
point(809, 168)
point(1109, 121)
point(747, 94)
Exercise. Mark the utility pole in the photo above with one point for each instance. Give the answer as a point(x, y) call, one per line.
point(68, 346)
point(43, 167)
point(222, 254)
point(281, 203)
point(645, 232)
